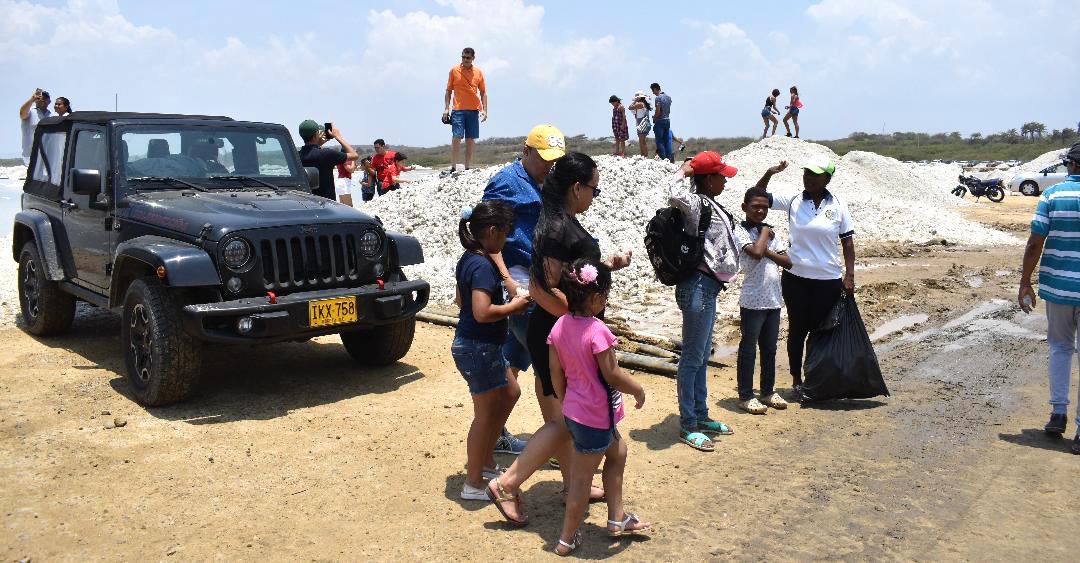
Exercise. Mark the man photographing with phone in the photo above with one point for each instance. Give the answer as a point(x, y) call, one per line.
point(312, 154)
point(29, 118)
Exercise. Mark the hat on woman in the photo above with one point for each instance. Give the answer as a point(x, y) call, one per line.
point(709, 162)
point(639, 94)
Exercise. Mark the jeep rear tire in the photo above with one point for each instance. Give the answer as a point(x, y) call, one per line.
point(382, 345)
point(163, 362)
point(46, 309)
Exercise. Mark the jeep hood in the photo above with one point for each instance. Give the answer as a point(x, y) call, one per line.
point(227, 211)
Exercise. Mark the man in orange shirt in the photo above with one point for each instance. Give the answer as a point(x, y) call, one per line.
point(466, 86)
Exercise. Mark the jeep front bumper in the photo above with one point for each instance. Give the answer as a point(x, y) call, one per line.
point(287, 317)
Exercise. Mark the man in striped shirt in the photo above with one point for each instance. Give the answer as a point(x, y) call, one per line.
point(1055, 237)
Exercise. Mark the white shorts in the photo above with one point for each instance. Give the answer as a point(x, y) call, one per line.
point(343, 186)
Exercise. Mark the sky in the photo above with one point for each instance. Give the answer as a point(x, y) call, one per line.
point(379, 68)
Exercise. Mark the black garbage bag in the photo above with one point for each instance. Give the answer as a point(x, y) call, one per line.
point(840, 360)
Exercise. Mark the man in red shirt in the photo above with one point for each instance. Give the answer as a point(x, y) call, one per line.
point(466, 86)
point(381, 162)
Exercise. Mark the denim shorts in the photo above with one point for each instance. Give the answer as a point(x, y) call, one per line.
point(480, 363)
point(589, 440)
point(465, 123)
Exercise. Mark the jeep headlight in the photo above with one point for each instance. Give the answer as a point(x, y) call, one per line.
point(370, 243)
point(236, 254)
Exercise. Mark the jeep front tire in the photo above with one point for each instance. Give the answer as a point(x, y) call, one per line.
point(163, 362)
point(46, 309)
point(382, 345)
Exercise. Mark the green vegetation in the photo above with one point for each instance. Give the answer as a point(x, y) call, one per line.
point(11, 162)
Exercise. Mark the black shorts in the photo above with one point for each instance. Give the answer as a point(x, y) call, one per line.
point(540, 325)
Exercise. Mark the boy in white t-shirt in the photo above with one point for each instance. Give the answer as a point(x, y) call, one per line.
point(759, 302)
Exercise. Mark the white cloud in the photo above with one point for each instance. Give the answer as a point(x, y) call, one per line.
point(882, 15)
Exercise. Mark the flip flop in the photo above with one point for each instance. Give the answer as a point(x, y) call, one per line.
point(711, 426)
point(500, 496)
point(697, 440)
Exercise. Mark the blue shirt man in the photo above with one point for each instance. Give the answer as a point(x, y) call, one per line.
point(662, 123)
point(1055, 237)
point(519, 185)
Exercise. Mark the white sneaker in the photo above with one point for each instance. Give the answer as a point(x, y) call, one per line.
point(473, 493)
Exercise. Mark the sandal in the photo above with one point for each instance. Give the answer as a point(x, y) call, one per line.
point(775, 401)
point(710, 426)
point(575, 541)
point(628, 517)
point(753, 406)
point(696, 440)
point(499, 496)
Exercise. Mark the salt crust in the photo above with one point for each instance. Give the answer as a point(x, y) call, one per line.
point(890, 201)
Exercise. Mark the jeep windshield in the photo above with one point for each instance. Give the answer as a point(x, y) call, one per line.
point(211, 158)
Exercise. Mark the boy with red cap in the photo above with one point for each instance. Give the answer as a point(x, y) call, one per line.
point(696, 294)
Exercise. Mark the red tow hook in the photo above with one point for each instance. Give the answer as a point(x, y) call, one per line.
point(379, 281)
point(271, 297)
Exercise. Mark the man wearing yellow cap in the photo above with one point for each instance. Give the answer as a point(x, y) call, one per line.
point(519, 185)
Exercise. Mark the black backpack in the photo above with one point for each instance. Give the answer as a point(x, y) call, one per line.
point(674, 252)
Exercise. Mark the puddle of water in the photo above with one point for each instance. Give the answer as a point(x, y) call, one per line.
point(897, 324)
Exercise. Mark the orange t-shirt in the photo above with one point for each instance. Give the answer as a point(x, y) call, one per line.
point(465, 83)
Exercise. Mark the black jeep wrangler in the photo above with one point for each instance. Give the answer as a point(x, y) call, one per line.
point(198, 230)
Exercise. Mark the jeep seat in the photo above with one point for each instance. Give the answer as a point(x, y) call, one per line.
point(207, 153)
point(157, 148)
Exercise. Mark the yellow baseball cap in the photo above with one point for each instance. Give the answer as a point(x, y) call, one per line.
point(548, 141)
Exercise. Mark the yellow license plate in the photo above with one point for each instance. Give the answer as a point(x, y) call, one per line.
point(327, 312)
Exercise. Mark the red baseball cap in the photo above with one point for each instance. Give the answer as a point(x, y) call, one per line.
point(710, 162)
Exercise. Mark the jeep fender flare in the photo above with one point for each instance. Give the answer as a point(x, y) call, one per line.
point(35, 224)
point(406, 248)
point(186, 265)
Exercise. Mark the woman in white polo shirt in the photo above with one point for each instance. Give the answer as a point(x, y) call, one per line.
point(819, 226)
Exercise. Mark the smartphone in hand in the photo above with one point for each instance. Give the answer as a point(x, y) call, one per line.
point(328, 126)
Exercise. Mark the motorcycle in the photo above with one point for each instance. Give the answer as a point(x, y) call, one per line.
point(993, 190)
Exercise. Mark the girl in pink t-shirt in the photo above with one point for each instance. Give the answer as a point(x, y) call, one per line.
point(586, 375)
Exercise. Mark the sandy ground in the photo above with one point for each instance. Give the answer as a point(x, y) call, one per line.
point(290, 452)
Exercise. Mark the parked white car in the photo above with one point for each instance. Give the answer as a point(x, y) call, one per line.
point(1033, 183)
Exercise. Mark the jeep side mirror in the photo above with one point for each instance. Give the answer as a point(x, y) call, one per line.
point(312, 176)
point(86, 182)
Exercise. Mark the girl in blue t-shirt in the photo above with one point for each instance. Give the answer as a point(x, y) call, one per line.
point(480, 333)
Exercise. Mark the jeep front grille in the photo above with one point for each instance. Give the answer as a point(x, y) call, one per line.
point(308, 261)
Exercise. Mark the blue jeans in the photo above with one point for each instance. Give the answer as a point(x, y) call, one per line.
point(1061, 323)
point(663, 140)
point(515, 349)
point(760, 329)
point(696, 297)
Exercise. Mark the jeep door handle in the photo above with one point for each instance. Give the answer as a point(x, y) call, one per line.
point(69, 205)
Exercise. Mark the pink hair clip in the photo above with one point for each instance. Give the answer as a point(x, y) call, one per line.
point(587, 274)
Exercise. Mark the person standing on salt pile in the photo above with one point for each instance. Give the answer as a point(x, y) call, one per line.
point(29, 118)
point(569, 190)
point(793, 108)
point(819, 225)
point(518, 184)
point(641, 108)
point(769, 113)
point(618, 125)
point(1055, 238)
point(466, 86)
point(662, 123)
point(696, 293)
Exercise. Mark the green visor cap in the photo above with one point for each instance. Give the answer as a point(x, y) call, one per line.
point(820, 165)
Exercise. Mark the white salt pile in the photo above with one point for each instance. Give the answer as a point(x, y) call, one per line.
point(890, 201)
point(1042, 161)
